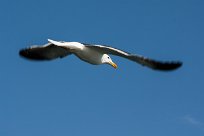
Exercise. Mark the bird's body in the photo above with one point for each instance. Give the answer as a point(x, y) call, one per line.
point(81, 51)
point(90, 56)
point(93, 54)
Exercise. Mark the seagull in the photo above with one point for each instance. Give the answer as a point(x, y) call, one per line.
point(93, 54)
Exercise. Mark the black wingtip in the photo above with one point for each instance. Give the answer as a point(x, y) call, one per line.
point(22, 53)
point(27, 54)
point(167, 66)
point(178, 64)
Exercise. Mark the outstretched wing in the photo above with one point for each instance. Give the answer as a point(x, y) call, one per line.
point(157, 65)
point(47, 52)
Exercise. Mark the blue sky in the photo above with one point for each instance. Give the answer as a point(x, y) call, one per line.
point(70, 97)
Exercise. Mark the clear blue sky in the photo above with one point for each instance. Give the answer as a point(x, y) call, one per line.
point(68, 97)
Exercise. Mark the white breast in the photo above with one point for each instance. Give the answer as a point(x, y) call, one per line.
point(89, 55)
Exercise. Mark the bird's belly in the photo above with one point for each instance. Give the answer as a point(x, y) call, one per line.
point(90, 56)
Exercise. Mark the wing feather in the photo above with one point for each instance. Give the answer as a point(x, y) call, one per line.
point(46, 52)
point(154, 64)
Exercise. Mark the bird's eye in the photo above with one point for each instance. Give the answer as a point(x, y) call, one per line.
point(108, 57)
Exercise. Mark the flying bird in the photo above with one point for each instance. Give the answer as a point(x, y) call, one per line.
point(93, 54)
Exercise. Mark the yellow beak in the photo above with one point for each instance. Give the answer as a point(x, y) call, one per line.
point(113, 64)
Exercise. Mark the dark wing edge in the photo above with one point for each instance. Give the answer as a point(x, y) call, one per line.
point(153, 64)
point(156, 65)
point(46, 52)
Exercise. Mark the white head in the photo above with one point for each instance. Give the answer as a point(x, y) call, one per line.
point(107, 60)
